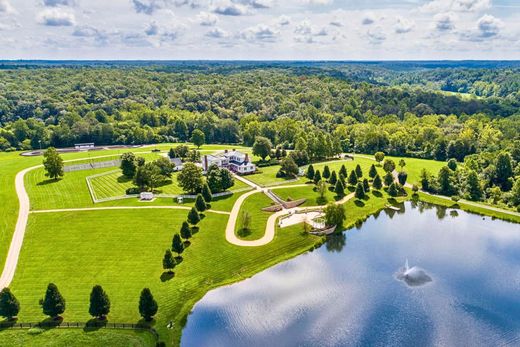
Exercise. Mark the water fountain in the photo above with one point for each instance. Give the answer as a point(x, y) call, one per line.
point(413, 276)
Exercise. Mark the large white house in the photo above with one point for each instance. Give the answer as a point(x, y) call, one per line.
point(235, 161)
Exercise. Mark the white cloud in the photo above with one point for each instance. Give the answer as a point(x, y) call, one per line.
point(316, 2)
point(152, 29)
point(230, 9)
point(207, 19)
point(444, 21)
point(336, 23)
point(217, 33)
point(260, 32)
point(489, 26)
point(54, 3)
point(261, 4)
point(284, 20)
point(5, 7)
point(368, 18)
point(456, 5)
point(403, 25)
point(56, 17)
point(376, 36)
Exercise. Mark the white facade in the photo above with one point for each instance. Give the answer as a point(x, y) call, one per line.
point(233, 160)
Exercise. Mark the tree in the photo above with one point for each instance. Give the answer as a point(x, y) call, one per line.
point(165, 166)
point(9, 305)
point(262, 147)
point(402, 164)
point(193, 216)
point(317, 176)
point(185, 230)
point(393, 190)
point(172, 154)
point(377, 184)
point(388, 179)
point(339, 189)
point(333, 178)
point(53, 303)
point(515, 194)
point(147, 305)
point(198, 138)
point(289, 167)
point(366, 185)
point(360, 192)
point(200, 204)
point(190, 178)
point(389, 165)
point(177, 244)
point(322, 188)
point(128, 164)
point(206, 193)
point(379, 156)
point(168, 261)
point(504, 171)
point(401, 177)
point(452, 164)
point(99, 303)
point(343, 171)
point(372, 172)
point(334, 214)
point(246, 221)
point(226, 179)
point(426, 178)
point(310, 172)
point(445, 181)
point(352, 178)
point(53, 163)
point(326, 172)
point(359, 172)
point(473, 188)
point(148, 176)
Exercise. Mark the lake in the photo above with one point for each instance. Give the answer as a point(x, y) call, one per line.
point(461, 288)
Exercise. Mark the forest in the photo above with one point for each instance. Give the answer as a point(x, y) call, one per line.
point(443, 111)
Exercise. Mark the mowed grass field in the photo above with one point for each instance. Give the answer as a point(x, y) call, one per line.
point(75, 337)
point(415, 166)
point(122, 250)
point(253, 205)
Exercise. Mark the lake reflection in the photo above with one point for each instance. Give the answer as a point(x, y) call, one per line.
point(346, 293)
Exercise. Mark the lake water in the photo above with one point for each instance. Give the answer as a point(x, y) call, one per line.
point(348, 292)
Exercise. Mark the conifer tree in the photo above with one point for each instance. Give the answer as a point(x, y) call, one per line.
point(206, 193)
point(168, 261)
point(393, 190)
point(185, 230)
point(343, 171)
point(99, 303)
point(373, 171)
point(377, 184)
point(310, 173)
point(147, 305)
point(389, 178)
point(200, 204)
point(317, 176)
point(366, 185)
point(177, 244)
point(326, 172)
point(360, 192)
point(9, 305)
point(53, 304)
point(339, 189)
point(359, 172)
point(352, 178)
point(333, 178)
point(193, 216)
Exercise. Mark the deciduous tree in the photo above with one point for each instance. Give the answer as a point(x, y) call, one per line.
point(53, 163)
point(198, 138)
point(190, 178)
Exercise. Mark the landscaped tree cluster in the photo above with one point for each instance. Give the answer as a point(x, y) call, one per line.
point(146, 176)
point(219, 179)
point(53, 303)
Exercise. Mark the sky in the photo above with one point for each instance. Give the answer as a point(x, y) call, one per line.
point(260, 29)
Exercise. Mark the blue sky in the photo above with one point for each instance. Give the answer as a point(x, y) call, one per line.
point(260, 29)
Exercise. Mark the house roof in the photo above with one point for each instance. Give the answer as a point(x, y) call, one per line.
point(176, 161)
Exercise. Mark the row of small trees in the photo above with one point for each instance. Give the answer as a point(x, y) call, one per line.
point(53, 304)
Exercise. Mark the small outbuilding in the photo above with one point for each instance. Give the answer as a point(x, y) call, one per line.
point(146, 196)
point(88, 145)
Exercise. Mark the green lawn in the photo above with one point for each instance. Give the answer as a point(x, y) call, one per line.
point(312, 197)
point(122, 250)
point(75, 337)
point(414, 167)
point(267, 176)
point(253, 205)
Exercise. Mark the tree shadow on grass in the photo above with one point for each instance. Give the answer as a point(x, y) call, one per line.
point(95, 324)
point(7, 323)
point(147, 324)
point(377, 193)
point(50, 323)
point(244, 232)
point(124, 179)
point(351, 189)
point(166, 276)
point(194, 230)
point(321, 201)
point(48, 181)
point(359, 203)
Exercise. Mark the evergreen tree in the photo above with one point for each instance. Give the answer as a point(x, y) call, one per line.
point(366, 185)
point(193, 216)
point(388, 179)
point(200, 204)
point(393, 190)
point(53, 163)
point(504, 170)
point(372, 172)
point(53, 304)
point(99, 302)
point(9, 305)
point(377, 184)
point(171, 153)
point(452, 164)
point(310, 173)
point(352, 178)
point(147, 305)
point(206, 193)
point(359, 172)
point(360, 192)
point(326, 172)
point(474, 190)
point(401, 177)
point(168, 261)
point(343, 171)
point(185, 230)
point(226, 179)
point(343, 179)
point(177, 244)
point(339, 189)
point(317, 176)
point(445, 181)
point(515, 194)
point(333, 178)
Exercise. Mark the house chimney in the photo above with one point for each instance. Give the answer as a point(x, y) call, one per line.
point(206, 163)
point(234, 150)
point(225, 151)
point(247, 158)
